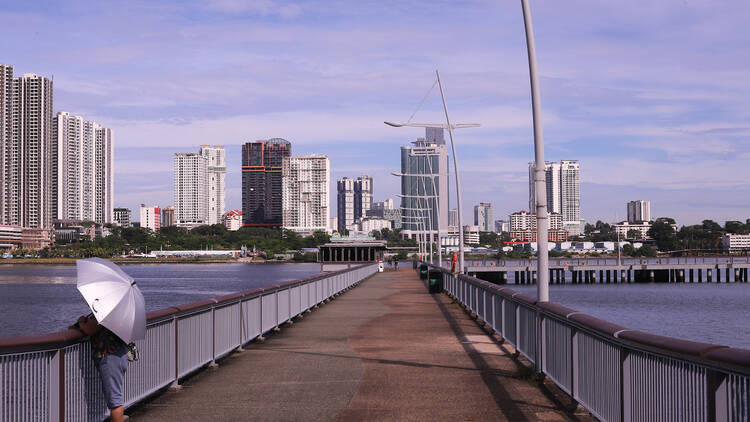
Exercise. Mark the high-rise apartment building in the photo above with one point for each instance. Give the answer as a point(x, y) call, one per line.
point(121, 217)
point(354, 200)
point(563, 192)
point(306, 195)
point(151, 218)
point(362, 196)
point(483, 216)
point(453, 217)
point(639, 211)
point(25, 149)
point(216, 172)
point(424, 185)
point(345, 203)
point(190, 189)
point(82, 170)
point(263, 164)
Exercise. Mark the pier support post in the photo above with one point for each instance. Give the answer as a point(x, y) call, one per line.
point(630, 272)
point(690, 274)
point(515, 277)
point(718, 274)
point(709, 275)
point(608, 276)
point(700, 275)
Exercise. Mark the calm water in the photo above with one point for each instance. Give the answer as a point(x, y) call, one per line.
point(37, 299)
point(712, 313)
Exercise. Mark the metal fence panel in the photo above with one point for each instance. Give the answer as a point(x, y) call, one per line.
point(739, 398)
point(155, 369)
point(527, 336)
point(194, 341)
point(84, 399)
point(663, 389)
point(295, 298)
point(269, 313)
point(480, 304)
point(282, 299)
point(597, 376)
point(497, 313)
point(557, 353)
point(25, 386)
point(228, 334)
point(251, 318)
point(509, 322)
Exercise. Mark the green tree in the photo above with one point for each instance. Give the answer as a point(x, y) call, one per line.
point(664, 234)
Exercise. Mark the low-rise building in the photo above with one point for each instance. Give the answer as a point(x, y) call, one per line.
point(736, 242)
point(370, 224)
point(122, 217)
point(624, 228)
point(11, 237)
point(232, 220)
point(523, 227)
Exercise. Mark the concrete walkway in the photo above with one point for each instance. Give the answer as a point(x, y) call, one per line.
point(385, 350)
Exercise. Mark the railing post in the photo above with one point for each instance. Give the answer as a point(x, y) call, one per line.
point(213, 363)
point(176, 383)
point(626, 398)
point(718, 403)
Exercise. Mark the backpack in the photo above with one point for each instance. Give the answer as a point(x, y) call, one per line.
point(133, 353)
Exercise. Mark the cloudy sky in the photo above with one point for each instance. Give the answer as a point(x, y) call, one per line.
point(652, 97)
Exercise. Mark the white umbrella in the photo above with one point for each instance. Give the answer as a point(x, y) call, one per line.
point(113, 297)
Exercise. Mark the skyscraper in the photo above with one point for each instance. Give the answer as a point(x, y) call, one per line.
point(190, 189)
point(483, 216)
point(306, 195)
point(362, 196)
point(216, 172)
point(354, 199)
point(563, 192)
point(424, 185)
point(639, 211)
point(25, 149)
point(345, 203)
point(82, 173)
point(263, 164)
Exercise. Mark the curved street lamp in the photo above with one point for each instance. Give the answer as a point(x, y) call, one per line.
point(450, 128)
point(540, 189)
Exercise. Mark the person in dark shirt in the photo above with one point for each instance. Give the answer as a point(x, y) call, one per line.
point(110, 358)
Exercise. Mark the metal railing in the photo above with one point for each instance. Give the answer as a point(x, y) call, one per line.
point(52, 377)
point(617, 374)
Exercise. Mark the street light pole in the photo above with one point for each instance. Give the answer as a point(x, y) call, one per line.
point(458, 180)
point(540, 186)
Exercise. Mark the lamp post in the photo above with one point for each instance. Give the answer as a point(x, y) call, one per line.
point(540, 186)
point(450, 128)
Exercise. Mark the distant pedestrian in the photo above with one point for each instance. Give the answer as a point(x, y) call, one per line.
point(395, 264)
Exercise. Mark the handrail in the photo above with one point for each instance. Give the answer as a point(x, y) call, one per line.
point(46, 374)
point(618, 374)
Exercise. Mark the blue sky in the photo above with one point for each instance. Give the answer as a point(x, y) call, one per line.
point(652, 97)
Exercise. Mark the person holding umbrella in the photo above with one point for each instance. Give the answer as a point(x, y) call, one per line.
point(118, 318)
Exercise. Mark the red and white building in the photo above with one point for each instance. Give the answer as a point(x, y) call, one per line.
point(151, 217)
point(523, 227)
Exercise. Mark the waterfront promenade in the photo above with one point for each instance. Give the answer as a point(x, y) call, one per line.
point(385, 350)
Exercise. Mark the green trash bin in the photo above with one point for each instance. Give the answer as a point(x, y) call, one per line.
point(435, 281)
point(423, 271)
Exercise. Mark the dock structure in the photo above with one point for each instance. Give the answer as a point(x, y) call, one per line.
point(385, 350)
point(608, 270)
